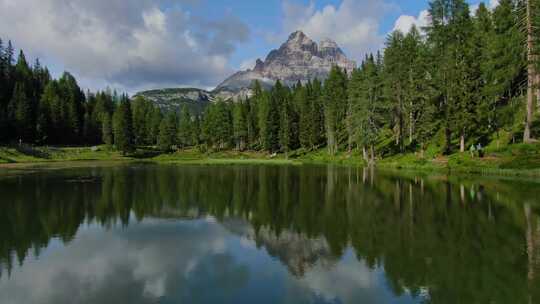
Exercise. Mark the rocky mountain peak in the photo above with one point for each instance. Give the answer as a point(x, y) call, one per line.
point(298, 35)
point(298, 40)
point(298, 59)
point(259, 65)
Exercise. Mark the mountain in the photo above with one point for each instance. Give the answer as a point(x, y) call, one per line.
point(173, 99)
point(298, 59)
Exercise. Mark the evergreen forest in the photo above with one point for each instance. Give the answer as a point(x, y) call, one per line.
point(468, 78)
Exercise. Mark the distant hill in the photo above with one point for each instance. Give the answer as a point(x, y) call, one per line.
point(174, 99)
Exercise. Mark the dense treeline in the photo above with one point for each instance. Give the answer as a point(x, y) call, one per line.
point(34, 108)
point(460, 81)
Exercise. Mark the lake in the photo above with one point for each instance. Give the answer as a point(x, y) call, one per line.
point(141, 233)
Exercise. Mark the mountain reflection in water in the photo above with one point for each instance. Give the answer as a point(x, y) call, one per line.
point(266, 234)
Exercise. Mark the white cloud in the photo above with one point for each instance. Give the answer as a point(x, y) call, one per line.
point(125, 265)
point(354, 25)
point(492, 4)
point(131, 44)
point(405, 22)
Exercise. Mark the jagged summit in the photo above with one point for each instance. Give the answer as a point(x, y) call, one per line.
point(298, 59)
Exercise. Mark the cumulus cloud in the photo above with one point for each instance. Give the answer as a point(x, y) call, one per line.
point(130, 266)
point(354, 25)
point(405, 22)
point(133, 44)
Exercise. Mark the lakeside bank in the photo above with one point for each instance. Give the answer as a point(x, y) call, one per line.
point(511, 160)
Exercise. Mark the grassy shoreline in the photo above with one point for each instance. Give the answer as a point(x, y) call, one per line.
point(515, 160)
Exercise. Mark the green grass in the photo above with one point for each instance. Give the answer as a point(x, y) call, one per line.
point(52, 154)
point(193, 156)
point(321, 156)
point(519, 159)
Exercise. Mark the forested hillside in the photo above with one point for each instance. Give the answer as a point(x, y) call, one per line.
point(468, 78)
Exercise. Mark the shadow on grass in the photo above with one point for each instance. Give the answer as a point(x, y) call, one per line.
point(6, 160)
point(31, 151)
point(145, 154)
point(522, 162)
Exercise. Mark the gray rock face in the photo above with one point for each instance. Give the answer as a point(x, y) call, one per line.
point(298, 59)
point(298, 252)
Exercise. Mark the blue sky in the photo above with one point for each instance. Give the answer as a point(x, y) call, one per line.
point(133, 45)
point(268, 15)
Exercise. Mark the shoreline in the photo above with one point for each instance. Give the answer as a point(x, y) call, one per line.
point(461, 163)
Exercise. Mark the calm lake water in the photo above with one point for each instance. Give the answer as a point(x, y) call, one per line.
point(266, 234)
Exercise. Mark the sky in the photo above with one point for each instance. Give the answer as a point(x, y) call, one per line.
point(133, 45)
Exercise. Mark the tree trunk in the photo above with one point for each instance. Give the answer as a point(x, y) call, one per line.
point(462, 143)
point(349, 130)
point(537, 92)
point(331, 140)
point(531, 76)
point(411, 125)
point(400, 117)
point(530, 242)
point(372, 155)
point(365, 154)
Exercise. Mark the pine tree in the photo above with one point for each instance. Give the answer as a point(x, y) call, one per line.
point(531, 68)
point(196, 131)
point(253, 105)
point(72, 112)
point(223, 127)
point(263, 103)
point(252, 128)
point(141, 108)
point(335, 108)
point(45, 127)
point(418, 90)
point(396, 76)
point(22, 108)
point(185, 128)
point(92, 125)
point(504, 67)
point(240, 125)
point(307, 117)
point(155, 122)
point(123, 127)
point(26, 106)
point(3, 85)
point(207, 126)
point(168, 132)
point(465, 79)
point(272, 117)
point(317, 110)
point(285, 136)
point(289, 119)
point(365, 96)
point(449, 34)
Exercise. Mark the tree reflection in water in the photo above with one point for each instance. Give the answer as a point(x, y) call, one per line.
point(448, 239)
